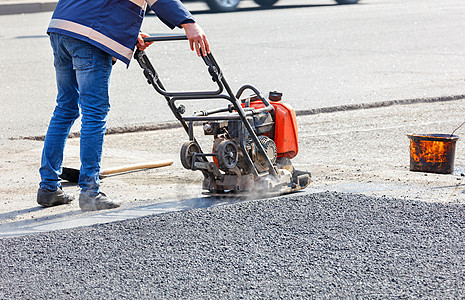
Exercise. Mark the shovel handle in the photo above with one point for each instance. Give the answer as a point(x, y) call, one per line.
point(134, 167)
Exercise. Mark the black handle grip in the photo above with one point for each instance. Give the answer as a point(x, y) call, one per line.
point(165, 37)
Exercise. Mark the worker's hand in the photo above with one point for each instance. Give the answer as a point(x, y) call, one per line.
point(197, 38)
point(140, 41)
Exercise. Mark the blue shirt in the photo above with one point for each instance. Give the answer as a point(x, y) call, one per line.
point(113, 25)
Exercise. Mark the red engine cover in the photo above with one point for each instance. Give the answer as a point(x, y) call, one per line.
point(286, 135)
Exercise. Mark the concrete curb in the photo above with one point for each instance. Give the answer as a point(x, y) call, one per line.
point(377, 104)
point(24, 8)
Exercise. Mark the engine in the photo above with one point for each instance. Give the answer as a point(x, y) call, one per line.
point(238, 162)
point(231, 139)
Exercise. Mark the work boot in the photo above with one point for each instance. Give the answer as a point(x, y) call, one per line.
point(89, 202)
point(47, 198)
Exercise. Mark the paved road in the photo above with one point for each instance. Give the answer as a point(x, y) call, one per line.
point(321, 245)
point(317, 53)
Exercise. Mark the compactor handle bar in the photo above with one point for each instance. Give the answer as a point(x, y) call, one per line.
point(213, 69)
point(165, 37)
point(218, 78)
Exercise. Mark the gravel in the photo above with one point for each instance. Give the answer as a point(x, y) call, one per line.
point(329, 245)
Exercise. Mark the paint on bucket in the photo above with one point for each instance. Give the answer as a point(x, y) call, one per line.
point(432, 153)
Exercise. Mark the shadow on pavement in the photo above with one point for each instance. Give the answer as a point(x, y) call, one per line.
point(77, 218)
point(31, 37)
point(16, 228)
point(13, 214)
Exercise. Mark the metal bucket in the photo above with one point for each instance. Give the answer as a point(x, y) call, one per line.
point(432, 153)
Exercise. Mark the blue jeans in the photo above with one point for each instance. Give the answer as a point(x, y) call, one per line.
point(83, 77)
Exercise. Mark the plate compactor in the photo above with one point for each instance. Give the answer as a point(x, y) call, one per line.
point(254, 138)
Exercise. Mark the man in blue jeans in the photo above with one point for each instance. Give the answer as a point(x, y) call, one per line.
point(87, 36)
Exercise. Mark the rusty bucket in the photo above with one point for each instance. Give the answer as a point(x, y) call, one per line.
point(432, 153)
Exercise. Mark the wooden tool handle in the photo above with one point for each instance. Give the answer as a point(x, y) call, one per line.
point(134, 167)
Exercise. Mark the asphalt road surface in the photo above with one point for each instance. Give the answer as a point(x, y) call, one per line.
point(325, 245)
point(317, 53)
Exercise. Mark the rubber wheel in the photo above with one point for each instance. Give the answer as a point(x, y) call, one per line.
point(347, 1)
point(188, 150)
point(223, 5)
point(227, 155)
point(266, 3)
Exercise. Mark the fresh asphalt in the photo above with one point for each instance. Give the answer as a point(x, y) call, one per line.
point(325, 245)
